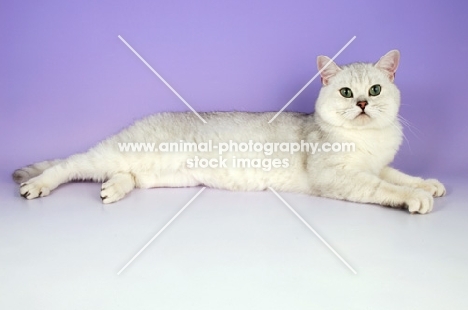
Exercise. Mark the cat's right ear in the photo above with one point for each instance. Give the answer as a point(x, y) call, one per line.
point(327, 68)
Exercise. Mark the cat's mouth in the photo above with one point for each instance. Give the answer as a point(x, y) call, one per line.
point(362, 118)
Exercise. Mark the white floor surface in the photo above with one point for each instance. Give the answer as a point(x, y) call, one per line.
point(228, 250)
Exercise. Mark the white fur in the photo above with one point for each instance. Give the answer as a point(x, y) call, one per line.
point(361, 176)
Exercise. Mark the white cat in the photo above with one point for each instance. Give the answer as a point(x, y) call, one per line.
point(358, 104)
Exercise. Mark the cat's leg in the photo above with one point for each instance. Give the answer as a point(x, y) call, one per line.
point(165, 179)
point(434, 187)
point(368, 188)
point(122, 183)
point(85, 166)
point(26, 173)
point(117, 187)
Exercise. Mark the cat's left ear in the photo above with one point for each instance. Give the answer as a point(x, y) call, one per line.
point(389, 63)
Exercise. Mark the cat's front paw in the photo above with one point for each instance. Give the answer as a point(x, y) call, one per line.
point(420, 201)
point(434, 187)
point(34, 188)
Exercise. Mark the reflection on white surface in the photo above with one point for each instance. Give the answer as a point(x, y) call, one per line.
point(229, 250)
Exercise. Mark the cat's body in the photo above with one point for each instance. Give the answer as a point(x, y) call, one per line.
point(367, 119)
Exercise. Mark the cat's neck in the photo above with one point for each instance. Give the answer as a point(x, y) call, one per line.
point(393, 131)
point(376, 147)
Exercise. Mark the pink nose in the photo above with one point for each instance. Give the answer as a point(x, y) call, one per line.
point(362, 104)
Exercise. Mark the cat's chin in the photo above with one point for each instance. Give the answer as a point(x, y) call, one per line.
point(362, 119)
point(362, 115)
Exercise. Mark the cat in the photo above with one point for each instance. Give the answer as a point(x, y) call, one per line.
point(357, 104)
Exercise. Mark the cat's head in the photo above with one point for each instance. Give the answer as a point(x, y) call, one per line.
point(359, 95)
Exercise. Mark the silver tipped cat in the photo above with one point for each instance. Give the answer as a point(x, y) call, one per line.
point(358, 105)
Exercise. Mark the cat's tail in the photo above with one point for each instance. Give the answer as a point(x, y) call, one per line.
point(24, 174)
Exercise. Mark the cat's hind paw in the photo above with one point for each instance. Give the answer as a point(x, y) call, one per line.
point(434, 187)
point(116, 188)
point(111, 193)
point(34, 189)
point(420, 201)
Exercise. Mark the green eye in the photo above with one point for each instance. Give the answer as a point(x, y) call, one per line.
point(375, 90)
point(346, 92)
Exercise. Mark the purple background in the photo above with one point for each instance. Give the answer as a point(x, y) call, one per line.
point(67, 81)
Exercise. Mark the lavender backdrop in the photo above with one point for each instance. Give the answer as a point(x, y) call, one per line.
point(67, 81)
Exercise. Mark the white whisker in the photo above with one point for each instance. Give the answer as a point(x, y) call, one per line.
point(410, 126)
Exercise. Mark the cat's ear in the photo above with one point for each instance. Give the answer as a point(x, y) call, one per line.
point(329, 71)
point(389, 63)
